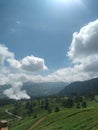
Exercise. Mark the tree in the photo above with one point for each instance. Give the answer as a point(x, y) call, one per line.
point(78, 105)
point(29, 107)
point(78, 99)
point(42, 104)
point(46, 104)
point(35, 116)
point(49, 110)
point(57, 109)
point(64, 103)
point(69, 103)
point(90, 96)
point(84, 104)
point(16, 108)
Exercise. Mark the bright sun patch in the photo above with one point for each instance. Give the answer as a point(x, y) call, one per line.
point(67, 1)
point(63, 1)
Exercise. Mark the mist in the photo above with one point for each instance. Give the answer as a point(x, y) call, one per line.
point(16, 92)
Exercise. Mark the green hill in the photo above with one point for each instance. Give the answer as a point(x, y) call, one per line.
point(72, 119)
point(41, 118)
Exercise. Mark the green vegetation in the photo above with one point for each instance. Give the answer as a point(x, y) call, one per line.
point(52, 113)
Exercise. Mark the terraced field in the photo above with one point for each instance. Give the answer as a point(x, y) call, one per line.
point(65, 119)
point(72, 119)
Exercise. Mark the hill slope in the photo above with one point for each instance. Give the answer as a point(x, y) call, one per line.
point(81, 87)
point(71, 119)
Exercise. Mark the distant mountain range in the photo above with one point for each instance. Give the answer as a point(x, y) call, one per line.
point(81, 88)
point(43, 89)
point(38, 89)
point(52, 88)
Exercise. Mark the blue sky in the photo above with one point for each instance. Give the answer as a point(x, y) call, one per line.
point(43, 28)
point(48, 40)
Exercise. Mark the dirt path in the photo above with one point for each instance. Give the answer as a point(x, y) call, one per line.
point(37, 123)
point(19, 117)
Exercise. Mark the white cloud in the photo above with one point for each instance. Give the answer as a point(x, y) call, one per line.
point(11, 76)
point(84, 43)
point(4, 54)
point(14, 63)
point(84, 55)
point(29, 64)
point(69, 74)
point(84, 49)
point(3, 79)
point(15, 92)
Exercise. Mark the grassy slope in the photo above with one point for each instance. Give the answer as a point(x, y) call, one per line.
point(26, 122)
point(16, 124)
point(22, 124)
point(65, 119)
point(72, 119)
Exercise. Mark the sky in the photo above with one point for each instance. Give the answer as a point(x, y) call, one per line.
point(48, 41)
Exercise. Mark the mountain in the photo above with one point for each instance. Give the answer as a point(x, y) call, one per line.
point(43, 89)
point(81, 87)
point(38, 89)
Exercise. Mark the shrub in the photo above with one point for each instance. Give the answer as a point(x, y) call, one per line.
point(57, 109)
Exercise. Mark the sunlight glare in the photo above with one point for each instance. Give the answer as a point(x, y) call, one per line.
point(63, 1)
point(67, 1)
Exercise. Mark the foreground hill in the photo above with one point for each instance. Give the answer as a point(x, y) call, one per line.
point(71, 119)
point(65, 119)
point(81, 87)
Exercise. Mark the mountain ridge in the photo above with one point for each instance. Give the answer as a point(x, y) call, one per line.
point(81, 87)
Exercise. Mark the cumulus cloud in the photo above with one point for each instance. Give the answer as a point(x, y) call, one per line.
point(29, 63)
point(84, 48)
point(14, 63)
point(83, 52)
point(84, 43)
